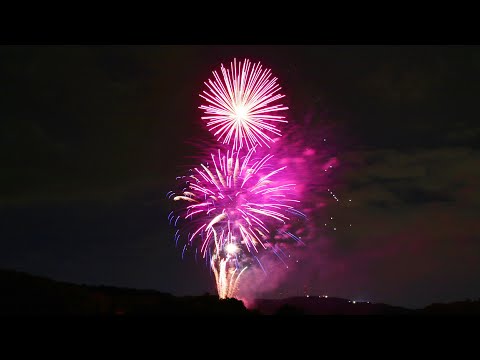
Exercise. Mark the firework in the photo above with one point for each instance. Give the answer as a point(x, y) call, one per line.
point(231, 209)
point(241, 108)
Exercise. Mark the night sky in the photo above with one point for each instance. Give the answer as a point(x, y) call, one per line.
point(92, 138)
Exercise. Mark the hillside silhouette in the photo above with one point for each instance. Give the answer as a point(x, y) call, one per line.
point(319, 305)
point(23, 294)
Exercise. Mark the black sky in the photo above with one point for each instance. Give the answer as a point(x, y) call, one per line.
point(92, 138)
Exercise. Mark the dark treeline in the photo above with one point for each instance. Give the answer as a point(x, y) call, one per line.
point(23, 294)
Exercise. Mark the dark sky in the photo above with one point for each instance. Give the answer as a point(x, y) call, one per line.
point(92, 138)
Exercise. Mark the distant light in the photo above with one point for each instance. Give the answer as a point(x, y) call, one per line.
point(354, 302)
point(308, 295)
point(326, 296)
point(331, 218)
point(334, 228)
point(349, 199)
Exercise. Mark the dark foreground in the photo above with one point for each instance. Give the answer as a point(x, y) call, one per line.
point(23, 294)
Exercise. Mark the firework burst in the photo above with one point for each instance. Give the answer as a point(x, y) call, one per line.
point(231, 210)
point(241, 110)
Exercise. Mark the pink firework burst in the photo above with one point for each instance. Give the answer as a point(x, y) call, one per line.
point(236, 206)
point(234, 200)
point(241, 109)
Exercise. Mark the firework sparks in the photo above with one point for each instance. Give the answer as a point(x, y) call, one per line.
point(226, 277)
point(241, 109)
point(232, 210)
point(238, 205)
